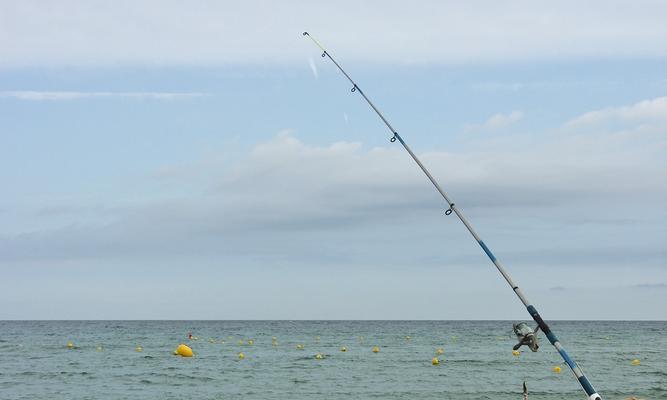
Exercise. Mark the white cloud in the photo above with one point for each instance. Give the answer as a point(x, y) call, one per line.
point(496, 121)
point(171, 32)
point(67, 95)
point(285, 194)
point(646, 111)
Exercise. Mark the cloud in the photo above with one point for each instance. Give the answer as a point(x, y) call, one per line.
point(151, 32)
point(292, 201)
point(495, 122)
point(646, 111)
point(67, 95)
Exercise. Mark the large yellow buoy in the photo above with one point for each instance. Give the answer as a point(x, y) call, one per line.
point(70, 345)
point(376, 349)
point(435, 361)
point(556, 369)
point(635, 362)
point(241, 356)
point(516, 353)
point(439, 351)
point(319, 356)
point(343, 349)
point(184, 351)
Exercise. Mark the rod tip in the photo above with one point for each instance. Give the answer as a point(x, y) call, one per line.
point(305, 34)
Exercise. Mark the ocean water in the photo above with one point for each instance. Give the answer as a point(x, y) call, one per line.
point(35, 362)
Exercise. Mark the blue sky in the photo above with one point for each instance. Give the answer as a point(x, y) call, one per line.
point(201, 160)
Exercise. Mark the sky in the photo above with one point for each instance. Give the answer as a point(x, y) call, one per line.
point(200, 160)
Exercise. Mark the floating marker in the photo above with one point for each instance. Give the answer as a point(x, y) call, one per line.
point(435, 361)
point(317, 338)
point(376, 349)
point(439, 351)
point(408, 338)
point(211, 340)
point(516, 353)
point(635, 362)
point(299, 346)
point(251, 342)
point(100, 348)
point(240, 342)
point(138, 349)
point(556, 369)
point(241, 356)
point(343, 349)
point(70, 345)
point(183, 351)
point(319, 356)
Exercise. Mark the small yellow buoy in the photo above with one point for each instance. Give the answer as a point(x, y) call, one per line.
point(70, 345)
point(317, 338)
point(435, 361)
point(319, 356)
point(184, 351)
point(408, 338)
point(240, 342)
point(439, 351)
point(556, 369)
point(635, 362)
point(516, 353)
point(211, 340)
point(241, 356)
point(376, 349)
point(299, 346)
point(251, 342)
point(138, 349)
point(100, 348)
point(343, 349)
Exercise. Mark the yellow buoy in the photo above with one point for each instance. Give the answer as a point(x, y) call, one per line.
point(184, 351)
point(299, 346)
point(516, 353)
point(319, 356)
point(435, 361)
point(100, 348)
point(240, 342)
point(251, 342)
point(439, 351)
point(70, 345)
point(241, 356)
point(556, 369)
point(408, 338)
point(138, 349)
point(376, 349)
point(635, 362)
point(211, 340)
point(343, 349)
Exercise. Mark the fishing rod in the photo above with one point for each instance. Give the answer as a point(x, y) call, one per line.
point(576, 370)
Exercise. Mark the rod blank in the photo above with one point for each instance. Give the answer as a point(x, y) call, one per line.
point(576, 370)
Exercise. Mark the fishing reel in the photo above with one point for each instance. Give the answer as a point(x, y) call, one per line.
point(526, 335)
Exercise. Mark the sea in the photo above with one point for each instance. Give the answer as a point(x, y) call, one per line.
point(477, 362)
